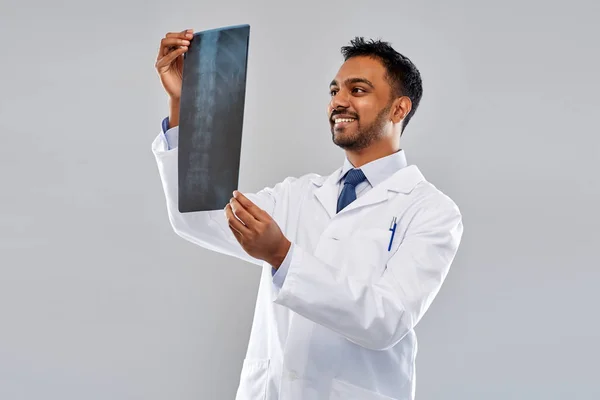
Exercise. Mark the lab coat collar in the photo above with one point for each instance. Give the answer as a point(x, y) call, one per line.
point(402, 181)
point(377, 170)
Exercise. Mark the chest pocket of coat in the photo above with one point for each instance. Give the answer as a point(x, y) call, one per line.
point(365, 252)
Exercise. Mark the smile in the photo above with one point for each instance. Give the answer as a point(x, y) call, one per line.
point(342, 122)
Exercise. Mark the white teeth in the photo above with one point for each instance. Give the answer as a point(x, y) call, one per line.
point(338, 120)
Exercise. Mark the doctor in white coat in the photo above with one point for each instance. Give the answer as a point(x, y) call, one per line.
point(350, 261)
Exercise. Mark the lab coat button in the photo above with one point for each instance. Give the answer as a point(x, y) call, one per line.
point(292, 375)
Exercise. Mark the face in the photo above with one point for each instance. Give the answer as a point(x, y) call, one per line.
point(361, 101)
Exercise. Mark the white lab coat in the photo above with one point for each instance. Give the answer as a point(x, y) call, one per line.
point(342, 325)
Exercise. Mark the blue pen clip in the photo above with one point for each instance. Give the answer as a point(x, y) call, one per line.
point(393, 230)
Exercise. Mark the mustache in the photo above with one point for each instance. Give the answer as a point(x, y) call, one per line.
point(345, 113)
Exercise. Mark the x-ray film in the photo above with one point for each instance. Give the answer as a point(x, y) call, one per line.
point(211, 117)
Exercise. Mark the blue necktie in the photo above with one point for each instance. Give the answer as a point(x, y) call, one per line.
point(348, 195)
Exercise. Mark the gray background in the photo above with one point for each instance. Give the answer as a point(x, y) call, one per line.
point(99, 299)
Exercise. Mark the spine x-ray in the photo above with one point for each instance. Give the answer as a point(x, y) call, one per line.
point(211, 117)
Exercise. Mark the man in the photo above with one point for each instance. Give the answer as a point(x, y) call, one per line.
point(350, 261)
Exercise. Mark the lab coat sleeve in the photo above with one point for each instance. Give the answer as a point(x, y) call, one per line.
point(377, 314)
point(208, 229)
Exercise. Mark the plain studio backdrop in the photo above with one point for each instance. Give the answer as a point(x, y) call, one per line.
point(99, 299)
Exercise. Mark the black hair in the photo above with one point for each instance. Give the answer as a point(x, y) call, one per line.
point(403, 75)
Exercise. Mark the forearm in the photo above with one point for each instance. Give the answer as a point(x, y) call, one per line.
point(173, 112)
point(368, 314)
point(375, 311)
point(207, 229)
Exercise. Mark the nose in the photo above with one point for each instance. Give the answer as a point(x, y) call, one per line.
point(339, 100)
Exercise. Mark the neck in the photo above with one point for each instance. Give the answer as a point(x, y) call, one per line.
point(375, 151)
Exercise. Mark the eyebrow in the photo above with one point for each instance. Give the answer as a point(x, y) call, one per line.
point(353, 80)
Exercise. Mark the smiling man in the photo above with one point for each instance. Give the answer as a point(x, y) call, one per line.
point(350, 261)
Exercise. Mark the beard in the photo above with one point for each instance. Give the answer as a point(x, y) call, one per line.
point(363, 136)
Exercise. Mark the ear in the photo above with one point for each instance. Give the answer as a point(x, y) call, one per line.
point(400, 109)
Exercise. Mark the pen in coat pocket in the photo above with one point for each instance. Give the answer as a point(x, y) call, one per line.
point(393, 230)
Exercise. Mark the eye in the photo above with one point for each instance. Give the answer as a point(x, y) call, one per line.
point(360, 89)
point(332, 92)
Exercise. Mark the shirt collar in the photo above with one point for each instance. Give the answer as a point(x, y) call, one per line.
point(378, 170)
